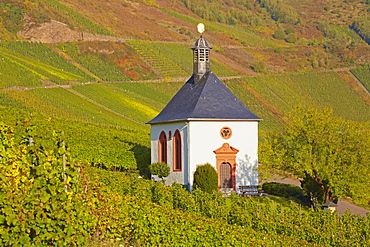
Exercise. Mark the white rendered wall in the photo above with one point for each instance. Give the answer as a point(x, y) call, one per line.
point(204, 138)
point(156, 129)
point(200, 139)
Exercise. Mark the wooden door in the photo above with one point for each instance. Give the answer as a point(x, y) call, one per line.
point(225, 175)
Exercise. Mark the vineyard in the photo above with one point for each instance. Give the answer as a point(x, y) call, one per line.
point(270, 219)
point(363, 75)
point(44, 54)
point(120, 102)
point(95, 63)
point(257, 104)
point(237, 34)
point(130, 104)
point(75, 146)
point(86, 205)
point(310, 89)
point(66, 14)
point(164, 66)
point(35, 65)
point(108, 145)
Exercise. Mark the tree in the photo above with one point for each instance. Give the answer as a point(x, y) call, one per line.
point(329, 154)
point(160, 169)
point(279, 34)
point(205, 178)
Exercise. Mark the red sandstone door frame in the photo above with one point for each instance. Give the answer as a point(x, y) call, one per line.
point(226, 154)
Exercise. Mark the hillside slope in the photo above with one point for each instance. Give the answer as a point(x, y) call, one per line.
point(128, 58)
point(96, 71)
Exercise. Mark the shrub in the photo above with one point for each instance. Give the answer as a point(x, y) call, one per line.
point(291, 38)
point(232, 21)
point(259, 66)
point(289, 30)
point(279, 34)
point(160, 169)
point(205, 178)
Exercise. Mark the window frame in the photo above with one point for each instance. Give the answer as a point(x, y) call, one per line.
point(177, 152)
point(162, 147)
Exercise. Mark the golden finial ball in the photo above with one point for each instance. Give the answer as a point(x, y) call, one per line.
point(200, 28)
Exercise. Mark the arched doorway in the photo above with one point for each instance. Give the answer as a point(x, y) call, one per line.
point(225, 175)
point(226, 165)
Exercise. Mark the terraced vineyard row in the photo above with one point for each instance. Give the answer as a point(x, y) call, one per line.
point(14, 75)
point(164, 66)
point(120, 102)
point(59, 103)
point(42, 53)
point(94, 63)
point(271, 120)
point(311, 89)
point(40, 70)
point(155, 94)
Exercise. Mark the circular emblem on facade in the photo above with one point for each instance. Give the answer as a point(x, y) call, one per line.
point(225, 132)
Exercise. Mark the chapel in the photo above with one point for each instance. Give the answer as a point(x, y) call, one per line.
point(206, 123)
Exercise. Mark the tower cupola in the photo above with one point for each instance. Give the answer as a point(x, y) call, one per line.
point(201, 59)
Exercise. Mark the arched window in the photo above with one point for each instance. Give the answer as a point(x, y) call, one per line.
point(162, 148)
point(177, 161)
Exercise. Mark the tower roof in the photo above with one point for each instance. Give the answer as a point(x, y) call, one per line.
point(208, 99)
point(201, 43)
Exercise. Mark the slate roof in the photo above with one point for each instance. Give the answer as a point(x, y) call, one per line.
point(207, 99)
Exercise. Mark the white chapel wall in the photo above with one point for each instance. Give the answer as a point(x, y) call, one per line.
point(204, 138)
point(156, 129)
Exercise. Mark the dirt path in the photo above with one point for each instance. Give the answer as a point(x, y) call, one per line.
point(343, 206)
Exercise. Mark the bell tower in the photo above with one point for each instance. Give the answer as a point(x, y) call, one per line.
point(201, 52)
